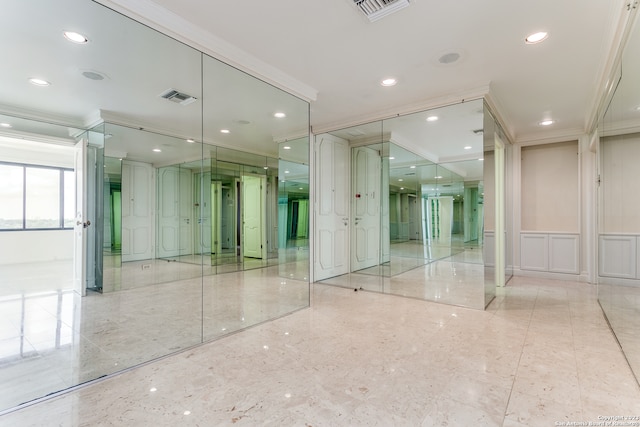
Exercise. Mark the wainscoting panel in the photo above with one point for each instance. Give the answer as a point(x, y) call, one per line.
point(489, 249)
point(618, 256)
point(564, 253)
point(534, 252)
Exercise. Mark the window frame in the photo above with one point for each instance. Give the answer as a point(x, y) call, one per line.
point(61, 185)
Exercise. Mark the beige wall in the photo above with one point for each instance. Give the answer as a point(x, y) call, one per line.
point(620, 184)
point(549, 188)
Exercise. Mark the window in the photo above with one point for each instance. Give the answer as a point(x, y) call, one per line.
point(36, 197)
point(12, 197)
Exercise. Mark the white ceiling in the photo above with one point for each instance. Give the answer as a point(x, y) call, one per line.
point(329, 46)
point(325, 51)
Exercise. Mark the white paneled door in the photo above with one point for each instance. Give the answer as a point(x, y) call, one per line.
point(366, 192)
point(137, 211)
point(332, 207)
point(253, 227)
point(81, 223)
point(175, 209)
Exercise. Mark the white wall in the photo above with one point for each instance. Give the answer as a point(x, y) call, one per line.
point(35, 246)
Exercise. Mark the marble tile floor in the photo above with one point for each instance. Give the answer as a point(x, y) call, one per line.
point(445, 281)
point(542, 354)
point(52, 340)
point(621, 305)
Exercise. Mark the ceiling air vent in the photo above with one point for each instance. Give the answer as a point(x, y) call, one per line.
point(376, 9)
point(177, 97)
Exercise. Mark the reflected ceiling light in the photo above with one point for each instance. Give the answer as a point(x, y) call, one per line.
point(152, 389)
point(468, 147)
point(5, 125)
point(389, 82)
point(191, 141)
point(546, 122)
point(402, 188)
point(225, 131)
point(286, 147)
point(392, 158)
point(432, 118)
point(438, 177)
point(300, 188)
point(412, 167)
point(638, 108)
point(481, 159)
point(74, 37)
point(286, 171)
point(536, 37)
point(187, 412)
point(38, 82)
point(279, 115)
point(157, 150)
point(265, 167)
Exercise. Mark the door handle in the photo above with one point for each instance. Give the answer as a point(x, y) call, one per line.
point(84, 224)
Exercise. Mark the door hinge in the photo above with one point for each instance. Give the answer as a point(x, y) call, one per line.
point(598, 181)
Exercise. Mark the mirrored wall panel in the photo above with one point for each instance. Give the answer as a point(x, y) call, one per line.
point(415, 207)
point(152, 198)
point(618, 222)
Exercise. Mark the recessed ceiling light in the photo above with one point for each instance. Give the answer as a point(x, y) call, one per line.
point(468, 147)
point(481, 159)
point(412, 167)
point(279, 115)
point(546, 122)
point(157, 150)
point(638, 108)
point(389, 82)
point(225, 131)
point(5, 125)
point(38, 82)
point(400, 180)
point(286, 147)
point(536, 37)
point(432, 118)
point(191, 141)
point(286, 172)
point(74, 37)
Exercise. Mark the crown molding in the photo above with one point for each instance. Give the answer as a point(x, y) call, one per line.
point(608, 76)
point(547, 137)
point(121, 120)
point(42, 116)
point(429, 104)
point(620, 128)
point(173, 25)
point(498, 112)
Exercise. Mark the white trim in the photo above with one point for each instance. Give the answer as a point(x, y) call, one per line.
point(430, 104)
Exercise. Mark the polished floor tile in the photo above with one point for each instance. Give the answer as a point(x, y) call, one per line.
point(541, 354)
